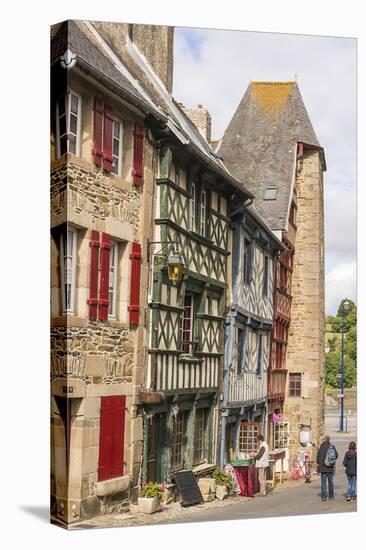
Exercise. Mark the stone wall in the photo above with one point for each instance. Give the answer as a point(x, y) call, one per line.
point(305, 350)
point(91, 359)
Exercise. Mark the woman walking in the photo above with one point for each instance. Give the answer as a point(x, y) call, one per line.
point(350, 463)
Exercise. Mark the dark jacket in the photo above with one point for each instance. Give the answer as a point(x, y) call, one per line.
point(350, 463)
point(320, 457)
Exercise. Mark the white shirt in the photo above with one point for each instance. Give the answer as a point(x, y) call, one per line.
point(263, 462)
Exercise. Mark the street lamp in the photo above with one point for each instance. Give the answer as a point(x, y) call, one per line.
point(174, 262)
point(345, 307)
point(175, 267)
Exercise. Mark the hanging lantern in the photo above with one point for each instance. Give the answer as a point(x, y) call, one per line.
point(304, 435)
point(175, 267)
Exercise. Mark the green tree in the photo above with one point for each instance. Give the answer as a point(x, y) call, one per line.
point(350, 345)
point(336, 324)
point(333, 361)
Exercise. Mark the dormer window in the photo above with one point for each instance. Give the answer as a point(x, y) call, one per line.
point(68, 118)
point(270, 193)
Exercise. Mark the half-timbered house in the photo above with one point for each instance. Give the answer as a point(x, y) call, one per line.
point(193, 190)
point(248, 333)
point(270, 145)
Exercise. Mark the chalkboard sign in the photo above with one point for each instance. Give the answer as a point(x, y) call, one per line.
point(188, 488)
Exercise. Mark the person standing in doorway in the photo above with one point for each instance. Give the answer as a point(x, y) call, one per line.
point(326, 460)
point(350, 463)
point(262, 463)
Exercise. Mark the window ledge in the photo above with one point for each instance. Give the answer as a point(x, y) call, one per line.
point(112, 486)
point(68, 320)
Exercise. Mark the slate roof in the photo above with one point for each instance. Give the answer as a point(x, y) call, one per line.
point(128, 73)
point(259, 145)
point(69, 36)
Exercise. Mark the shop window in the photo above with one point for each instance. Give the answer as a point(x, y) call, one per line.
point(295, 384)
point(200, 435)
point(178, 441)
point(248, 436)
point(280, 435)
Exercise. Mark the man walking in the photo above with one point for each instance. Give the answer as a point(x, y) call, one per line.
point(326, 459)
point(262, 463)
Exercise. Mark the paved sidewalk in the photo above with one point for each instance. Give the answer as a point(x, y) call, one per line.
point(289, 499)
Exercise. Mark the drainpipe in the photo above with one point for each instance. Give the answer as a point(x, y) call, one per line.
point(223, 438)
point(229, 323)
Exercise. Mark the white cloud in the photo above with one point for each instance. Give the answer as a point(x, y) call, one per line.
point(340, 283)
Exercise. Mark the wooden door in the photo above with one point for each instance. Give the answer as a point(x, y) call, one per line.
point(111, 439)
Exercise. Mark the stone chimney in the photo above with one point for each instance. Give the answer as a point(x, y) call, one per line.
point(155, 42)
point(201, 118)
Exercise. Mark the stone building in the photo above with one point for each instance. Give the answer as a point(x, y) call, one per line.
point(103, 162)
point(271, 146)
point(248, 332)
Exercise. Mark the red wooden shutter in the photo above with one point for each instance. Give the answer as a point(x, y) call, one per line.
point(93, 285)
point(98, 132)
point(111, 438)
point(119, 435)
point(104, 277)
point(138, 152)
point(135, 284)
point(107, 139)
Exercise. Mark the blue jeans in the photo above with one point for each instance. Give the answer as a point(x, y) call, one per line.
point(351, 486)
point(324, 477)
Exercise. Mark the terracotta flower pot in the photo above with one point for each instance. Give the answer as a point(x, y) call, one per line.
point(148, 505)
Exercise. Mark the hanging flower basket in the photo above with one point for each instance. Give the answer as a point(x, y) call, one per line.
point(277, 418)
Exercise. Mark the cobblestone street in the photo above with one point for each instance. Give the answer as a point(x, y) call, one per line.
point(291, 498)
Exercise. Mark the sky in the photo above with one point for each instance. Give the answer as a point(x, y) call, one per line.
point(214, 68)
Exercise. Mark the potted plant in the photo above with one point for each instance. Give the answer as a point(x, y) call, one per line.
point(149, 501)
point(224, 483)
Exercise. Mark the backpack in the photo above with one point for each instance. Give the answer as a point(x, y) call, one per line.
point(331, 456)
